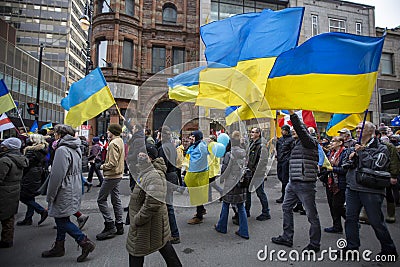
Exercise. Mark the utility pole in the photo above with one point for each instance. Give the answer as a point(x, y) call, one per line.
point(38, 83)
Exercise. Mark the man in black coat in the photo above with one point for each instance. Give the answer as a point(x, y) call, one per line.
point(303, 169)
point(284, 147)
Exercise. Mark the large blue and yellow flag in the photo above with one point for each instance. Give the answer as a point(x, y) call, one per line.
point(331, 72)
point(185, 86)
point(6, 100)
point(241, 51)
point(340, 121)
point(87, 98)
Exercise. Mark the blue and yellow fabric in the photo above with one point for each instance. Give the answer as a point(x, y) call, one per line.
point(340, 121)
point(331, 72)
point(185, 86)
point(213, 162)
point(87, 98)
point(196, 178)
point(6, 100)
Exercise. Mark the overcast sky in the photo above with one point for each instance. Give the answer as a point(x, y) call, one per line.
point(387, 12)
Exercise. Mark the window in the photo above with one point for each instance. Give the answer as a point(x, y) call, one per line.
point(127, 60)
point(130, 7)
point(103, 6)
point(169, 14)
point(358, 28)
point(178, 57)
point(337, 25)
point(387, 64)
point(101, 53)
point(314, 25)
point(158, 59)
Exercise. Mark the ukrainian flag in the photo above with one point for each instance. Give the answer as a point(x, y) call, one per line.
point(340, 121)
point(241, 51)
point(247, 112)
point(6, 100)
point(87, 98)
point(331, 72)
point(185, 86)
point(47, 126)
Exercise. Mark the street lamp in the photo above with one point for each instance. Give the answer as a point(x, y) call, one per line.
point(86, 25)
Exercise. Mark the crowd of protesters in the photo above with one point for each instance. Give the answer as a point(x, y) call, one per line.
point(160, 165)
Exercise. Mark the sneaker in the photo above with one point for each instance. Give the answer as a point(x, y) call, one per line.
point(333, 230)
point(281, 241)
point(195, 220)
point(43, 217)
point(25, 222)
point(263, 217)
point(82, 221)
point(175, 240)
point(311, 247)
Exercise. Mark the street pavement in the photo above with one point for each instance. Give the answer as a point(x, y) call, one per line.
point(200, 244)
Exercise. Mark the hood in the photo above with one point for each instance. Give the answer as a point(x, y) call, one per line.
point(69, 141)
point(36, 147)
point(159, 164)
point(17, 158)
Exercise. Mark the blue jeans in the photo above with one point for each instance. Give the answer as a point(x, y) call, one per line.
point(172, 221)
point(32, 206)
point(222, 225)
point(64, 225)
point(263, 199)
point(305, 192)
point(372, 204)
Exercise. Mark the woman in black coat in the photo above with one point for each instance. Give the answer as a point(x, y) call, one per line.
point(31, 181)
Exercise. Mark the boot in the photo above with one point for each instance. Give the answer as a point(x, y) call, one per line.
point(109, 231)
point(391, 213)
point(25, 222)
point(87, 247)
point(120, 228)
point(57, 250)
point(82, 220)
point(363, 218)
point(43, 217)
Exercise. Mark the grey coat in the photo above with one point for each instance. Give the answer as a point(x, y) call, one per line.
point(231, 171)
point(64, 191)
point(12, 165)
point(303, 164)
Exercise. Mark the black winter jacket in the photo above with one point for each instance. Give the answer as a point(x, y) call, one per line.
point(284, 147)
point(254, 154)
point(303, 164)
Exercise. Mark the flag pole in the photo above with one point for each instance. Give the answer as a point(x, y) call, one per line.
point(119, 111)
point(22, 121)
point(362, 127)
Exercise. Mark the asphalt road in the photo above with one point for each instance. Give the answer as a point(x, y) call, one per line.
point(200, 244)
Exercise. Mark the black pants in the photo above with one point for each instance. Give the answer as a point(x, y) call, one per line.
point(391, 194)
point(167, 252)
point(283, 175)
point(199, 211)
point(94, 167)
point(336, 207)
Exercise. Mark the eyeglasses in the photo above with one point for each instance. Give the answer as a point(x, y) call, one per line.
point(358, 128)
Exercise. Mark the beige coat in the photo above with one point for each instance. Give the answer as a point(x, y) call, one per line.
point(149, 229)
point(113, 166)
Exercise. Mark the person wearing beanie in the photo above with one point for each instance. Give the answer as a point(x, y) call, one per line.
point(149, 229)
point(95, 162)
point(283, 149)
point(196, 177)
point(113, 169)
point(12, 164)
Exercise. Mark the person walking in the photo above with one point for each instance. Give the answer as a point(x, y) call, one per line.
point(64, 193)
point(95, 163)
point(254, 158)
point(113, 169)
point(12, 164)
point(231, 173)
point(303, 170)
point(149, 230)
point(31, 181)
point(374, 156)
point(284, 147)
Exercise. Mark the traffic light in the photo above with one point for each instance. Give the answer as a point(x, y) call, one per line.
point(33, 109)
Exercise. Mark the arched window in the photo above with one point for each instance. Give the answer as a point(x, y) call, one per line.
point(169, 13)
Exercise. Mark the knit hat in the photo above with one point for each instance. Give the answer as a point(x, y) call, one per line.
point(285, 128)
point(198, 135)
point(12, 143)
point(95, 140)
point(115, 129)
point(152, 151)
